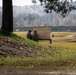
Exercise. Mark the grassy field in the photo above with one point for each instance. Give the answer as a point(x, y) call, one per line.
point(22, 34)
point(59, 37)
point(61, 55)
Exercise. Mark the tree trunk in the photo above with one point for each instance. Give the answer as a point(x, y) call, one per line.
point(7, 16)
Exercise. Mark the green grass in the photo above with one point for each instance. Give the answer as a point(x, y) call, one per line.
point(57, 55)
point(18, 38)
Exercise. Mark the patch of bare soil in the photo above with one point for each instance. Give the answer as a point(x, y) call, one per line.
point(34, 72)
point(10, 47)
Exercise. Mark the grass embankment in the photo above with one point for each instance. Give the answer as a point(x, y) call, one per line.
point(59, 57)
point(56, 56)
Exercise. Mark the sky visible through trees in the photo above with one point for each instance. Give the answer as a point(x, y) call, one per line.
point(20, 2)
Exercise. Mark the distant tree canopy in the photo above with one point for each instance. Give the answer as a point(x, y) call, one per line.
point(59, 6)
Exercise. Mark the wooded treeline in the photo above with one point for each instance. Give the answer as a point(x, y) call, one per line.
point(58, 6)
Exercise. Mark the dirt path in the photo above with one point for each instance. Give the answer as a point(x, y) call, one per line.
point(72, 35)
point(33, 72)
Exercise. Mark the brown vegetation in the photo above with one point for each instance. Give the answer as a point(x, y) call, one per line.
point(10, 47)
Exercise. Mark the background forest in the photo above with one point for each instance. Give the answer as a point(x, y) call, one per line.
point(34, 15)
